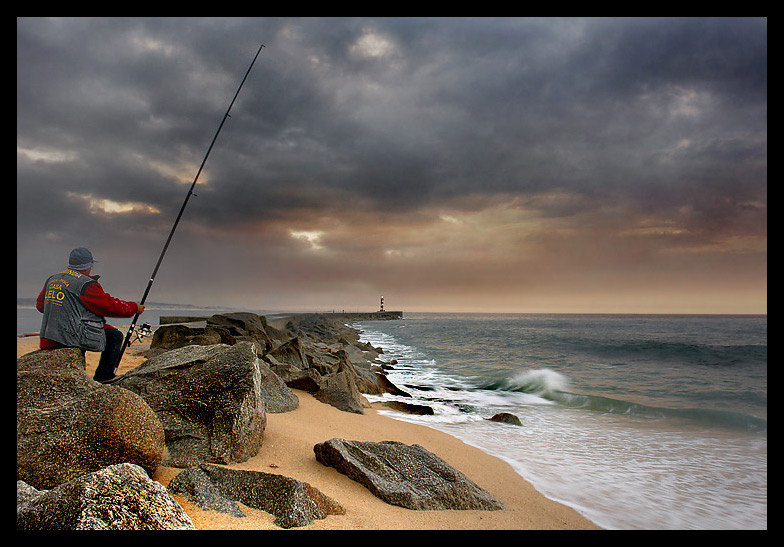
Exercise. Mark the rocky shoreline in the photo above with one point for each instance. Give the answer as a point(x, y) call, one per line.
point(87, 452)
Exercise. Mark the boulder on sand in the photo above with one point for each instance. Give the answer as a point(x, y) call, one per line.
point(68, 425)
point(292, 502)
point(118, 497)
point(209, 400)
point(405, 475)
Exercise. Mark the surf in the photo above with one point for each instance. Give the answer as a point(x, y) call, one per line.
point(542, 382)
point(555, 387)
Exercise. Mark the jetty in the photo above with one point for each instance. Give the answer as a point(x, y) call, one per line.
point(279, 320)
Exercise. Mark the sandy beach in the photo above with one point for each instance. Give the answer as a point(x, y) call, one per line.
point(288, 450)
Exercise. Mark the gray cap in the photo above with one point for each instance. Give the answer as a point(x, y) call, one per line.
point(81, 259)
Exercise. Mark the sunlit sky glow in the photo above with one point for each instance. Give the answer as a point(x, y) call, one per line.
point(455, 164)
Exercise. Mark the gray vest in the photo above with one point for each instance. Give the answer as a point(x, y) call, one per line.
point(66, 319)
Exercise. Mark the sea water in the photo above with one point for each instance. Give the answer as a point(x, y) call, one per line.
point(635, 421)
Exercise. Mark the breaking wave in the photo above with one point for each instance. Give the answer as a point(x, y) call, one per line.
point(554, 386)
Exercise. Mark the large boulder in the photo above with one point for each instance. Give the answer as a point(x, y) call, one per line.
point(340, 390)
point(339, 398)
point(118, 497)
point(292, 502)
point(291, 353)
point(277, 396)
point(244, 325)
point(293, 376)
point(68, 425)
point(359, 353)
point(322, 358)
point(209, 400)
point(169, 337)
point(405, 475)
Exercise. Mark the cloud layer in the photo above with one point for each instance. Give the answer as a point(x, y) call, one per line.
point(449, 164)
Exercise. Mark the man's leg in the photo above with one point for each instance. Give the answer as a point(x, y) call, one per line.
point(110, 357)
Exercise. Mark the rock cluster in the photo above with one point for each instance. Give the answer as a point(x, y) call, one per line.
point(315, 353)
point(86, 451)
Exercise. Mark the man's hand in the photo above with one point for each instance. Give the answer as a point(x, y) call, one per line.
point(140, 308)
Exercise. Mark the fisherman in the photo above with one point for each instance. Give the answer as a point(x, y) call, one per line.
point(75, 306)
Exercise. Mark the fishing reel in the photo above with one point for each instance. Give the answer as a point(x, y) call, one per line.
point(142, 332)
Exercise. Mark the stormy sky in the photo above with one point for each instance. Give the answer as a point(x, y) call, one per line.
point(449, 164)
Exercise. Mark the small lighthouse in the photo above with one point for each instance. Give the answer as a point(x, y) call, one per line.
point(382, 305)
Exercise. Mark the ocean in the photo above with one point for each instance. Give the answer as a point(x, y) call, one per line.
point(636, 421)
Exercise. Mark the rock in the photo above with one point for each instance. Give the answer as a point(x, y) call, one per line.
point(209, 400)
point(68, 425)
point(296, 378)
point(291, 353)
point(389, 387)
point(410, 408)
point(405, 475)
point(244, 324)
point(171, 337)
point(293, 503)
point(358, 356)
point(207, 338)
point(340, 389)
point(322, 359)
point(277, 396)
point(25, 492)
point(196, 485)
point(340, 399)
point(419, 387)
point(368, 382)
point(506, 418)
point(323, 346)
point(118, 497)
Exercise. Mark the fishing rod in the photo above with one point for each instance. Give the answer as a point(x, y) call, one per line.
point(177, 221)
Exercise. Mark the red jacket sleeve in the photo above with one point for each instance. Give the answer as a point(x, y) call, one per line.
point(39, 303)
point(104, 304)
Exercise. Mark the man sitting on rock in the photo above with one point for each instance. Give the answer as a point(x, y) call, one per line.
point(75, 306)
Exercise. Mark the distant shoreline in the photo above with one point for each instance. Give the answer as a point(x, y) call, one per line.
point(25, 303)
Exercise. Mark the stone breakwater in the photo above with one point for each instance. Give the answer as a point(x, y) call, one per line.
point(345, 317)
point(280, 320)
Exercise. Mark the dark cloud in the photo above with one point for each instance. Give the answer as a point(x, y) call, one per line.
point(597, 127)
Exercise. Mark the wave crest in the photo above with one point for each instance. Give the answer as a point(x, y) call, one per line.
point(542, 382)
